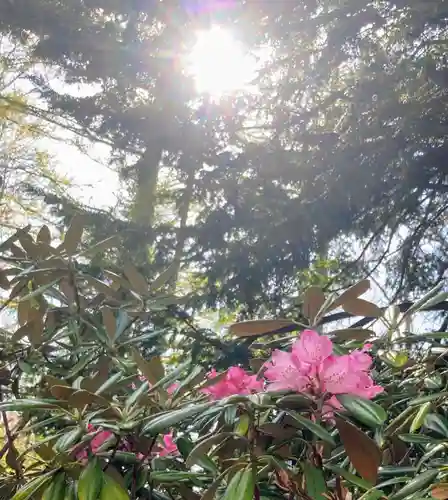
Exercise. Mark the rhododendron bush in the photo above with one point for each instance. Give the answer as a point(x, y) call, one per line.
point(314, 411)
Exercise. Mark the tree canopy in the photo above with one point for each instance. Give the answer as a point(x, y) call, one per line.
point(345, 138)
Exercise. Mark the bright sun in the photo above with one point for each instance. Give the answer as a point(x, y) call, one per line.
point(219, 64)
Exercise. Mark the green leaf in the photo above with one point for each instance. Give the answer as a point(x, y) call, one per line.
point(90, 481)
point(420, 304)
point(33, 486)
point(391, 470)
point(366, 411)
point(241, 486)
point(419, 419)
point(123, 322)
point(425, 399)
point(137, 394)
point(314, 481)
point(418, 439)
point(39, 291)
point(356, 480)
point(417, 484)
point(172, 476)
point(167, 420)
point(203, 447)
point(114, 379)
point(242, 426)
point(437, 424)
point(68, 439)
point(29, 404)
point(185, 447)
point(313, 427)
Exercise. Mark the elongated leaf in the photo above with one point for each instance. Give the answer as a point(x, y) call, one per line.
point(73, 235)
point(259, 327)
point(418, 439)
point(203, 447)
point(185, 446)
point(316, 487)
point(351, 293)
point(313, 300)
point(27, 492)
point(165, 477)
point(136, 279)
point(62, 391)
point(437, 423)
point(109, 322)
point(363, 452)
point(316, 429)
point(167, 420)
point(364, 410)
point(356, 480)
point(421, 303)
point(29, 404)
point(81, 398)
point(420, 417)
point(359, 334)
point(417, 484)
point(241, 486)
point(426, 399)
point(360, 307)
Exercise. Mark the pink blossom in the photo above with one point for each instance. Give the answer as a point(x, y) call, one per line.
point(311, 368)
point(286, 372)
point(312, 348)
point(99, 440)
point(236, 382)
point(171, 388)
point(168, 447)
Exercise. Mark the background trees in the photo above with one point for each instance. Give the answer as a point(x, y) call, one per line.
point(350, 123)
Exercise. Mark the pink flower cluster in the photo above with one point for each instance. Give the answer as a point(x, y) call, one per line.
point(310, 368)
point(167, 447)
point(235, 381)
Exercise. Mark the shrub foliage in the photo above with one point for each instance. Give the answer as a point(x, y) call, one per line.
point(107, 414)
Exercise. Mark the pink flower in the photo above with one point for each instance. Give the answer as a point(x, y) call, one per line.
point(360, 360)
point(311, 368)
point(287, 372)
point(236, 381)
point(170, 389)
point(168, 447)
point(99, 440)
point(312, 348)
